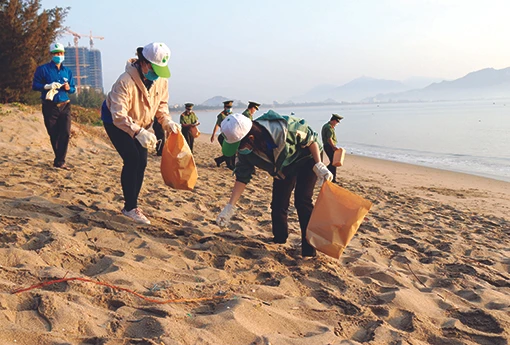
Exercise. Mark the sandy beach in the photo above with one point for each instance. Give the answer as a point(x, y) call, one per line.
point(429, 265)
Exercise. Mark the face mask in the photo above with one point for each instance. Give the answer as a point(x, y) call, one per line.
point(151, 75)
point(58, 59)
point(245, 151)
point(228, 110)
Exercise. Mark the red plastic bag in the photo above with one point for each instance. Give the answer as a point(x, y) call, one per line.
point(335, 219)
point(177, 163)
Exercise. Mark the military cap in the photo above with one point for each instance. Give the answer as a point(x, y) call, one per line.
point(188, 105)
point(336, 117)
point(252, 104)
point(228, 103)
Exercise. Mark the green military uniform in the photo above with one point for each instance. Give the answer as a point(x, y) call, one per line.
point(247, 114)
point(188, 119)
point(221, 116)
point(219, 119)
point(328, 132)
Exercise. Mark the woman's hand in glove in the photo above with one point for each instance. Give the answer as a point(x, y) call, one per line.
point(146, 139)
point(225, 215)
point(170, 126)
point(322, 173)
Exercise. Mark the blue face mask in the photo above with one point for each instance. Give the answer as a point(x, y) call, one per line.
point(58, 59)
point(245, 151)
point(151, 75)
point(228, 110)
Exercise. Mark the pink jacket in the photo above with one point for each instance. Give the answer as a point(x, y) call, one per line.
point(132, 106)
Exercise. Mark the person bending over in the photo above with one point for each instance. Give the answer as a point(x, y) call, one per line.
point(138, 96)
point(287, 148)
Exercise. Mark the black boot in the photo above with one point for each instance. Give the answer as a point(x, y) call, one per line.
point(219, 160)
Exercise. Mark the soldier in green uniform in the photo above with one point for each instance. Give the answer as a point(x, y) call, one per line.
point(227, 110)
point(252, 108)
point(188, 120)
point(329, 140)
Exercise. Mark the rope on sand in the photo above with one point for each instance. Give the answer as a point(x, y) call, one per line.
point(151, 300)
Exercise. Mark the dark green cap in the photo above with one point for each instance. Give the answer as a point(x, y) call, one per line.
point(188, 105)
point(336, 117)
point(252, 104)
point(228, 103)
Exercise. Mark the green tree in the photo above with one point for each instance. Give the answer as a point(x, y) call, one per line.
point(88, 98)
point(26, 32)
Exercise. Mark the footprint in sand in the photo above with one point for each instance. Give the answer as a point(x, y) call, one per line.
point(147, 327)
point(479, 320)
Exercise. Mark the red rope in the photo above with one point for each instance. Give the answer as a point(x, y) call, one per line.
point(179, 300)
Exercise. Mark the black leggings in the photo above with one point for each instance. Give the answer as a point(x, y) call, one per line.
point(134, 157)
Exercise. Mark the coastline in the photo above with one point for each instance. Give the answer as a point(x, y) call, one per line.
point(434, 183)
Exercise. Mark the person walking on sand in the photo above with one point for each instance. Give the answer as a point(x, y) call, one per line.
point(227, 109)
point(252, 108)
point(329, 141)
point(189, 120)
point(138, 96)
point(55, 82)
point(287, 148)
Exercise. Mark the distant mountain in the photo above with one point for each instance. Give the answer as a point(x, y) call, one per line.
point(217, 101)
point(419, 82)
point(485, 83)
point(353, 91)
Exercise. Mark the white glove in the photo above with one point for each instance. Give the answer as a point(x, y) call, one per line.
point(225, 215)
point(322, 173)
point(170, 126)
point(52, 86)
point(147, 139)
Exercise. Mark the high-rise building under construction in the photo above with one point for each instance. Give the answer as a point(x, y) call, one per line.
point(90, 67)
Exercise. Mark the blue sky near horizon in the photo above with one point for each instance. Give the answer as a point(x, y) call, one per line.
point(273, 50)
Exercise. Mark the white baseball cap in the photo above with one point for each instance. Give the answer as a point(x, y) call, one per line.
point(56, 47)
point(234, 128)
point(158, 55)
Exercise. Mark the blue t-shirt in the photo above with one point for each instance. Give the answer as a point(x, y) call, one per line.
point(49, 73)
point(106, 115)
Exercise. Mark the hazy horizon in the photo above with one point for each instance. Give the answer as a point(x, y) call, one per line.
point(270, 51)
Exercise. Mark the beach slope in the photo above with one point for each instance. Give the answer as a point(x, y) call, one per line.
point(429, 265)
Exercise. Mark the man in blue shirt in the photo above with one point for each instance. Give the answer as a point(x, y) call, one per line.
point(55, 81)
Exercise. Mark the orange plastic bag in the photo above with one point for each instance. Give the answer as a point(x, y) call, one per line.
point(338, 157)
point(195, 132)
point(177, 163)
point(335, 219)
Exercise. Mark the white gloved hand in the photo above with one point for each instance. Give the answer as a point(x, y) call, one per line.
point(52, 86)
point(322, 173)
point(147, 139)
point(225, 215)
point(170, 126)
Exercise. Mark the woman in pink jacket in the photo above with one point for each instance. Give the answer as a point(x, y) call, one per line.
point(137, 97)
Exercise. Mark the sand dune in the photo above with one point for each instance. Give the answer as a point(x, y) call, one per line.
point(429, 265)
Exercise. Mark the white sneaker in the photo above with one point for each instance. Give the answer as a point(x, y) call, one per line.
point(137, 215)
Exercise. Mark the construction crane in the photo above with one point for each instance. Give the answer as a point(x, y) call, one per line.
point(77, 36)
point(91, 42)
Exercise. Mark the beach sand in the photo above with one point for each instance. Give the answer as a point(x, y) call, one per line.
point(429, 265)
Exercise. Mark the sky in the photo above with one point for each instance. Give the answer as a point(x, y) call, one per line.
point(272, 50)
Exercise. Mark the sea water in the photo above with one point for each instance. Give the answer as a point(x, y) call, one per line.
point(465, 136)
